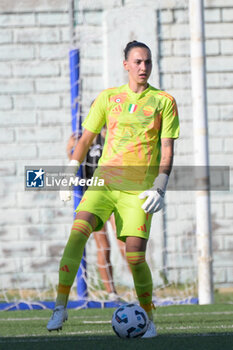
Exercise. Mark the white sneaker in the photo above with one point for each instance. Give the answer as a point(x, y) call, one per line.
point(151, 331)
point(59, 316)
point(113, 297)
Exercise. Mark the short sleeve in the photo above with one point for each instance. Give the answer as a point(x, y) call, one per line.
point(170, 120)
point(97, 115)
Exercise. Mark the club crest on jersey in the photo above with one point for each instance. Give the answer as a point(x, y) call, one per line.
point(148, 110)
point(132, 108)
point(120, 98)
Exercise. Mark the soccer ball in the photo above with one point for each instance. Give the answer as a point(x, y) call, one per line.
point(130, 321)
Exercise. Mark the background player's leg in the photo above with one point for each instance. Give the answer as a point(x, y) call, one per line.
point(121, 244)
point(103, 259)
point(135, 253)
point(82, 227)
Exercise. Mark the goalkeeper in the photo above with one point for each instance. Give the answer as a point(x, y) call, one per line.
point(101, 237)
point(142, 123)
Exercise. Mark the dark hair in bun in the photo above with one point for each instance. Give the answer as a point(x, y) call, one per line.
point(131, 45)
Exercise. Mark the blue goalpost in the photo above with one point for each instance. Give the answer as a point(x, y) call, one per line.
point(76, 121)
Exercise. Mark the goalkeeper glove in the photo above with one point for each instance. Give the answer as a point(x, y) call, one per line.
point(155, 195)
point(65, 196)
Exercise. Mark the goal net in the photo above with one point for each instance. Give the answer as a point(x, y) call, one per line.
point(100, 32)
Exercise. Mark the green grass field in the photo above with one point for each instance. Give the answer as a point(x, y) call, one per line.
point(184, 327)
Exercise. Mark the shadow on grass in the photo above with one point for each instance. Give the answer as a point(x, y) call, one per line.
point(176, 341)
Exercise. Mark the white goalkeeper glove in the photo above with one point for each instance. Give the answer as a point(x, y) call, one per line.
point(65, 196)
point(155, 195)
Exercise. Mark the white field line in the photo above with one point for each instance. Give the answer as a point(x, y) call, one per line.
point(46, 319)
point(195, 327)
point(47, 338)
point(90, 317)
point(196, 314)
point(41, 318)
point(169, 328)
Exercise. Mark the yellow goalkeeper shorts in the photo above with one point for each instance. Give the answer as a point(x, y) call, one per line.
point(130, 218)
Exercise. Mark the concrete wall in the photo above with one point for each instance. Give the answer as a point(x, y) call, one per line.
point(35, 125)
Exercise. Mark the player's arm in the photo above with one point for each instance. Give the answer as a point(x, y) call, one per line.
point(77, 158)
point(167, 152)
point(83, 146)
point(155, 195)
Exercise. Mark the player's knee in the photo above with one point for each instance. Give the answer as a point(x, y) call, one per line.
point(135, 244)
point(135, 259)
point(92, 219)
point(80, 230)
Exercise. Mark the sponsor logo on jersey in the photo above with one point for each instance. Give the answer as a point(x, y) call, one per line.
point(117, 109)
point(142, 228)
point(65, 268)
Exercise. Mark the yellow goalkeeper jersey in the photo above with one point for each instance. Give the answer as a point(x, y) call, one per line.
point(136, 122)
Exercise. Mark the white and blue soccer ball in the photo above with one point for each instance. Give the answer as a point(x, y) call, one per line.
point(130, 321)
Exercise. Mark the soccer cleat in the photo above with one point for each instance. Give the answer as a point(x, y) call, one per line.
point(151, 331)
point(59, 316)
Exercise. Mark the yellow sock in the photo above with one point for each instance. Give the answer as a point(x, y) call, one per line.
point(142, 280)
point(62, 294)
point(71, 258)
point(149, 309)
